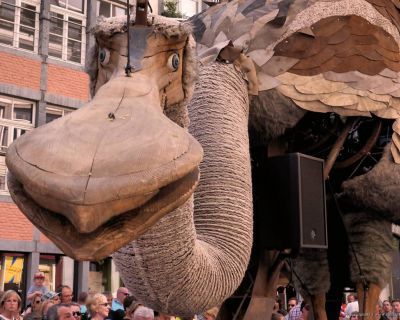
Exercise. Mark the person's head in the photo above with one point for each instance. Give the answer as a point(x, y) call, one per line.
point(211, 314)
point(143, 313)
point(37, 304)
point(56, 299)
point(52, 296)
point(66, 294)
point(282, 312)
point(11, 301)
point(98, 306)
point(118, 314)
point(396, 306)
point(305, 310)
point(277, 316)
point(82, 297)
point(59, 311)
point(292, 303)
point(38, 278)
point(109, 297)
point(162, 316)
point(351, 298)
point(76, 311)
point(386, 306)
point(354, 316)
point(130, 306)
point(46, 306)
point(122, 293)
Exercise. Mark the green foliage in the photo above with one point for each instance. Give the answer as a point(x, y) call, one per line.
point(171, 9)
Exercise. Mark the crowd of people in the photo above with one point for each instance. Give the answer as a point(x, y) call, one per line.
point(296, 310)
point(43, 304)
point(387, 310)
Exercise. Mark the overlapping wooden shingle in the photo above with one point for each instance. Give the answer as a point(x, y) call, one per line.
point(326, 55)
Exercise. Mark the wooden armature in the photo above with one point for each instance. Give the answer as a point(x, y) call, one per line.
point(264, 289)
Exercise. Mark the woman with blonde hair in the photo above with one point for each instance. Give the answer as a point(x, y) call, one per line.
point(11, 306)
point(34, 312)
point(98, 307)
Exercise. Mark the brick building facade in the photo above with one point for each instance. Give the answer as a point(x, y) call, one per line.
point(42, 56)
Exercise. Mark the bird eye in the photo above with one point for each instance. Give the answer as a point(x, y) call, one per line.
point(173, 62)
point(104, 56)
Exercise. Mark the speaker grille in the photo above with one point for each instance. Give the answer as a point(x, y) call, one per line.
point(312, 195)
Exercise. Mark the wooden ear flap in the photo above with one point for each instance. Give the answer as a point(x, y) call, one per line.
point(230, 54)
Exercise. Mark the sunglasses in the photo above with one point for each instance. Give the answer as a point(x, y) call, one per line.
point(76, 314)
point(106, 304)
point(307, 307)
point(292, 305)
point(38, 301)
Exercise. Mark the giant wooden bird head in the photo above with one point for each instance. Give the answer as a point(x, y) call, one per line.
point(99, 177)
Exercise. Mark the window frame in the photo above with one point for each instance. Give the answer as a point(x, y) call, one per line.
point(13, 124)
point(58, 109)
point(17, 25)
point(69, 10)
point(112, 4)
point(75, 15)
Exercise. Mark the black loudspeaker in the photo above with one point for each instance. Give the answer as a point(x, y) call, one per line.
point(292, 214)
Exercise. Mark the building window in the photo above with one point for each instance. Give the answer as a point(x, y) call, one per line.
point(19, 24)
point(73, 5)
point(67, 34)
point(16, 117)
point(99, 279)
point(53, 113)
point(48, 265)
point(110, 9)
point(12, 272)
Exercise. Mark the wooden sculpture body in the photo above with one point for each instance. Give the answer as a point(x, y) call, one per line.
point(138, 168)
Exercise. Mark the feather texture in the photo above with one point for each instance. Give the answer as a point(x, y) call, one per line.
point(327, 56)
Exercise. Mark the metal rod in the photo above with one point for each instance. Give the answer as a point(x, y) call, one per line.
point(128, 68)
point(330, 161)
point(364, 151)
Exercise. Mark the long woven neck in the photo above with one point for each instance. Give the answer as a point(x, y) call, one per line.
point(190, 262)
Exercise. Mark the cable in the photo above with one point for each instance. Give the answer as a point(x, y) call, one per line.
point(298, 278)
point(364, 282)
point(292, 271)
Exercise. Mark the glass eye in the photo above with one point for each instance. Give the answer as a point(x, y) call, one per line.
point(173, 62)
point(104, 56)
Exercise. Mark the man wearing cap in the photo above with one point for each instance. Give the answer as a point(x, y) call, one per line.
point(118, 303)
point(37, 288)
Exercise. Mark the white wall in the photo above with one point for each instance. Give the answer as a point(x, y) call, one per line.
point(114, 279)
point(189, 7)
point(68, 272)
point(155, 5)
